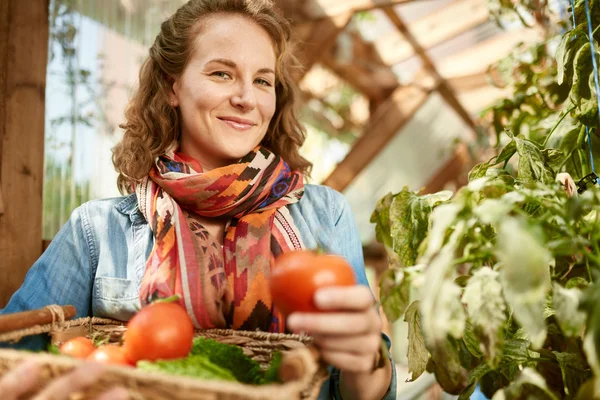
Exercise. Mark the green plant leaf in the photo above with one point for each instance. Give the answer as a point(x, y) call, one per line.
point(381, 218)
point(417, 352)
point(532, 164)
point(394, 293)
point(574, 371)
point(526, 293)
point(451, 376)
point(409, 215)
point(566, 303)
point(528, 385)
point(474, 376)
point(486, 310)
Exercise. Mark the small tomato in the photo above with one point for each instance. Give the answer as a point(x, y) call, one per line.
point(78, 347)
point(297, 275)
point(110, 354)
point(159, 331)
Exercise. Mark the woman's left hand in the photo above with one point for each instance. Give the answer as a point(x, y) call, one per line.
point(348, 334)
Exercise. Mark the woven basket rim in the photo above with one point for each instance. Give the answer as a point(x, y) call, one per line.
point(145, 378)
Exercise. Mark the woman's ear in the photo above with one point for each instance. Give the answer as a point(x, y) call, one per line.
point(174, 95)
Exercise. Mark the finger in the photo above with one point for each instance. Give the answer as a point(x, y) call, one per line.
point(343, 324)
point(350, 298)
point(362, 344)
point(77, 380)
point(20, 380)
point(118, 393)
point(349, 362)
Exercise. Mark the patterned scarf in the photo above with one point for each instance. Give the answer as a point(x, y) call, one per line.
point(228, 287)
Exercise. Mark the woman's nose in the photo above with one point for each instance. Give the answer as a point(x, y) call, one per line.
point(244, 97)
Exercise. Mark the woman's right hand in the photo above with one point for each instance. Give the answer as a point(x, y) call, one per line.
point(26, 377)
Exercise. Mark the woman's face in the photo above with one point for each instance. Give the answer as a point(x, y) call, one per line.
point(226, 94)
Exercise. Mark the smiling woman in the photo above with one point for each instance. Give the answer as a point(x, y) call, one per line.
point(215, 191)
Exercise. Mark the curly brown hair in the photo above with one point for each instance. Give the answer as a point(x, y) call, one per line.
point(152, 124)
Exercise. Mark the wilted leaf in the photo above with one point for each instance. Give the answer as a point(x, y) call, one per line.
point(525, 276)
point(566, 303)
point(486, 309)
point(417, 352)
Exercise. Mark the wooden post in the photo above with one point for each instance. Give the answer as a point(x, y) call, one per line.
point(23, 58)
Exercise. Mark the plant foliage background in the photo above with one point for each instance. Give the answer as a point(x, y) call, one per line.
point(498, 282)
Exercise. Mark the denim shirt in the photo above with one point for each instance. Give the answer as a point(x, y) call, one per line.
point(97, 260)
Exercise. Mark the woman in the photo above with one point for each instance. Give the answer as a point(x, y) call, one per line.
point(210, 159)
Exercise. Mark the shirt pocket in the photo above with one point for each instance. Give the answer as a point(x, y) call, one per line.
point(115, 298)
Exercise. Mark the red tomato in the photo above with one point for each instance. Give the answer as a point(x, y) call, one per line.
point(110, 354)
point(79, 347)
point(297, 275)
point(159, 331)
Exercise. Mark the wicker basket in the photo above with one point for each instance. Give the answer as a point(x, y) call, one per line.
point(148, 385)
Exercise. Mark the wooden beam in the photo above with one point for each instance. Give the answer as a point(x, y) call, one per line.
point(314, 40)
point(445, 90)
point(383, 125)
point(311, 10)
point(477, 58)
point(436, 28)
point(365, 71)
point(452, 171)
point(23, 59)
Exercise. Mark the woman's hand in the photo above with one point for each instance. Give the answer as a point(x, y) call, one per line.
point(349, 333)
point(26, 377)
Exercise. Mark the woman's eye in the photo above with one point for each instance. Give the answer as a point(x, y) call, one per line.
point(263, 82)
point(221, 74)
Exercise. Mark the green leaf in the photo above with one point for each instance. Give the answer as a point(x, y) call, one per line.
point(409, 216)
point(381, 218)
point(417, 352)
point(394, 295)
point(528, 385)
point(486, 310)
point(553, 158)
point(474, 376)
point(492, 211)
point(574, 371)
point(526, 292)
point(442, 218)
point(471, 342)
point(480, 170)
point(515, 352)
point(566, 303)
point(532, 164)
point(448, 372)
point(195, 365)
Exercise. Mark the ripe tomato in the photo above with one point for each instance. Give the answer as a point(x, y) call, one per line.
point(79, 347)
point(159, 331)
point(110, 354)
point(297, 275)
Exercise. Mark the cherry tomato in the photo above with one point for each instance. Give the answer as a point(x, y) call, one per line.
point(79, 347)
point(159, 331)
point(297, 275)
point(110, 354)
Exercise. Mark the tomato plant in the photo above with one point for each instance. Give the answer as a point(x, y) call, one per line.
point(110, 354)
point(297, 275)
point(159, 331)
point(79, 347)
